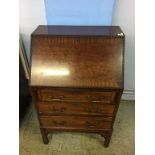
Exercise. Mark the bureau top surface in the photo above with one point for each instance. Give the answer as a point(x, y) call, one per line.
point(84, 61)
point(78, 30)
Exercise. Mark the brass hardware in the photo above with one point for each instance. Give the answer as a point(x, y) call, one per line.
point(120, 34)
point(61, 110)
point(55, 123)
point(51, 98)
point(95, 101)
point(93, 110)
point(90, 125)
point(99, 100)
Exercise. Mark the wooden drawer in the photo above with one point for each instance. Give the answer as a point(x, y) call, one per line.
point(75, 95)
point(76, 122)
point(75, 108)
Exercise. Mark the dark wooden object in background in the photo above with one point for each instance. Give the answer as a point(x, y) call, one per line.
point(24, 93)
point(77, 78)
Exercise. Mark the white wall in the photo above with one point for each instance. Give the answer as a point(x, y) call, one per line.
point(79, 12)
point(31, 14)
point(124, 13)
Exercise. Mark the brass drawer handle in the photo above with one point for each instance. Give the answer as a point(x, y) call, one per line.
point(100, 99)
point(56, 123)
point(61, 110)
point(51, 98)
point(88, 110)
point(95, 101)
point(89, 125)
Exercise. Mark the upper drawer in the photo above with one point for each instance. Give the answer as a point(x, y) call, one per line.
point(75, 96)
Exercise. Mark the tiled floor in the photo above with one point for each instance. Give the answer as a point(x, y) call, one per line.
point(67, 143)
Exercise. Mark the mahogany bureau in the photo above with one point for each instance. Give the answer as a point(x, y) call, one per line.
point(77, 78)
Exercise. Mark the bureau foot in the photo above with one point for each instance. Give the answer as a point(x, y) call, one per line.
point(107, 137)
point(44, 136)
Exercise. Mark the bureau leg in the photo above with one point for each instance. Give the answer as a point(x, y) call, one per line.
point(107, 137)
point(44, 136)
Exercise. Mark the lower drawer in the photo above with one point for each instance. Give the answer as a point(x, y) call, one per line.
point(76, 122)
point(75, 108)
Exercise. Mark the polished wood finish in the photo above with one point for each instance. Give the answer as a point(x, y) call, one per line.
point(73, 95)
point(75, 108)
point(77, 78)
point(76, 122)
point(100, 62)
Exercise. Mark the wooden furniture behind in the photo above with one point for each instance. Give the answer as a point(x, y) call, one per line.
point(24, 92)
point(77, 78)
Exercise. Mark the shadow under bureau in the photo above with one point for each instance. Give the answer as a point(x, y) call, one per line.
point(77, 78)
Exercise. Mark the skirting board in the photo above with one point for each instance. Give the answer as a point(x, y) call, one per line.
point(128, 95)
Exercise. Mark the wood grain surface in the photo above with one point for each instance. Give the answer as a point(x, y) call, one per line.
point(89, 61)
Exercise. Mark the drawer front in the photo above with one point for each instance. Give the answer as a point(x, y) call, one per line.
point(76, 122)
point(75, 108)
point(76, 96)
